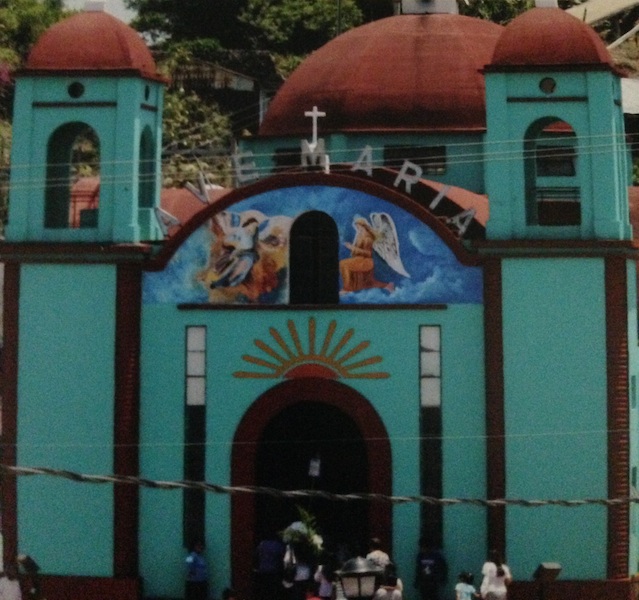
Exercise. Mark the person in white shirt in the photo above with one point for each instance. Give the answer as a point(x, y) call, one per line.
point(497, 578)
point(10, 584)
point(376, 555)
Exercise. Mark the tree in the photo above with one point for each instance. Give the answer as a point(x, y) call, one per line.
point(197, 138)
point(233, 22)
point(191, 19)
point(297, 26)
point(498, 11)
point(372, 10)
point(502, 11)
point(21, 24)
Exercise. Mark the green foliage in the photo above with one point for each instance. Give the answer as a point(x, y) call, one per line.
point(502, 11)
point(21, 24)
point(285, 64)
point(197, 137)
point(5, 152)
point(234, 23)
point(299, 26)
point(376, 9)
point(191, 19)
point(303, 535)
point(498, 11)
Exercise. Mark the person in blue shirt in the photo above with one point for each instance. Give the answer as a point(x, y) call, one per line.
point(431, 571)
point(197, 579)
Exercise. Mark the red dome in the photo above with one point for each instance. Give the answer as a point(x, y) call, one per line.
point(549, 36)
point(402, 73)
point(91, 41)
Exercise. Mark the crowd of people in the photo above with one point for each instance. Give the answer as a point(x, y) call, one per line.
point(295, 572)
point(286, 572)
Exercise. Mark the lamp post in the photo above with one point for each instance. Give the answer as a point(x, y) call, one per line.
point(358, 577)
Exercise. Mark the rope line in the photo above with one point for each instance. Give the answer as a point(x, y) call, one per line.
point(297, 494)
point(524, 435)
point(505, 149)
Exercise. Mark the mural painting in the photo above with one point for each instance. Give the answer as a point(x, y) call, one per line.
point(386, 254)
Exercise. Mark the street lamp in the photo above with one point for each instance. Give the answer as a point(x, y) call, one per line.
point(358, 577)
point(544, 574)
point(548, 571)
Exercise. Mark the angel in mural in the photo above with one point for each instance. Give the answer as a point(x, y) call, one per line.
point(248, 256)
point(378, 236)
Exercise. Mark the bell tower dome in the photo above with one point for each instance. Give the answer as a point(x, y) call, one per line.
point(88, 105)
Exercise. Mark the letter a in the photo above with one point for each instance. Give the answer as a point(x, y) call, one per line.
point(364, 162)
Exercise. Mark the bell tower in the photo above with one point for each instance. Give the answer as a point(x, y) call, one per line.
point(85, 183)
point(87, 136)
point(557, 163)
point(561, 275)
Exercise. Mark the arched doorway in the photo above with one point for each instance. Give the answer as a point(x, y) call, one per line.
point(279, 434)
point(320, 435)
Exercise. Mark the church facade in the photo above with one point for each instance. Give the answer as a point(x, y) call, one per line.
point(423, 287)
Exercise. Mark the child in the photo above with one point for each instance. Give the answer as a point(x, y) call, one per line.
point(465, 590)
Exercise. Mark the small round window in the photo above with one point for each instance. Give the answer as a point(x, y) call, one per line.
point(547, 85)
point(76, 89)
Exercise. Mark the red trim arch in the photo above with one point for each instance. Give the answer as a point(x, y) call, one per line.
point(244, 454)
point(381, 186)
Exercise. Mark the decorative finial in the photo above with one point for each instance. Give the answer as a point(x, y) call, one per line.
point(94, 6)
point(447, 7)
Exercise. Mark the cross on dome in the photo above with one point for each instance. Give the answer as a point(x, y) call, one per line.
point(314, 114)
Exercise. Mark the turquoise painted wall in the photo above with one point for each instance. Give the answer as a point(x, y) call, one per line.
point(65, 415)
point(231, 334)
point(555, 411)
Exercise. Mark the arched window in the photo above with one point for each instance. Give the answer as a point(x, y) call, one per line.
point(551, 163)
point(72, 191)
point(313, 260)
point(146, 189)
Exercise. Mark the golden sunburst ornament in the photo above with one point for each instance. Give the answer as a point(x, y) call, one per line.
point(290, 360)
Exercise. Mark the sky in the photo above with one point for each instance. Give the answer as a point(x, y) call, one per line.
point(114, 7)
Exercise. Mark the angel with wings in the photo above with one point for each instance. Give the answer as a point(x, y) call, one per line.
point(378, 236)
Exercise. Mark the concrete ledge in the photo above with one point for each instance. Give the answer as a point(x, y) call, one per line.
point(68, 587)
point(617, 589)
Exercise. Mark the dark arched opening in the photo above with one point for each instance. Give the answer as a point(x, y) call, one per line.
point(553, 194)
point(313, 260)
point(311, 445)
point(146, 184)
point(271, 416)
point(73, 154)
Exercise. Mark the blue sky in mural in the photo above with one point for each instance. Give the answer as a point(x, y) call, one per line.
point(178, 283)
point(436, 276)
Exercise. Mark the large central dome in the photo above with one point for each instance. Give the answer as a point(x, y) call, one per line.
point(402, 73)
